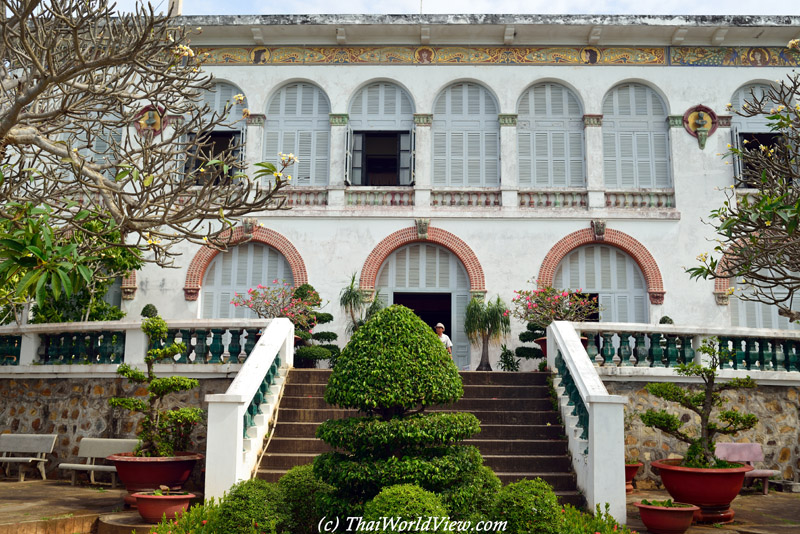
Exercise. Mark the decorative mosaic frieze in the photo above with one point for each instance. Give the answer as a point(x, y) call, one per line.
point(734, 56)
point(423, 119)
point(592, 120)
point(256, 119)
point(338, 119)
point(724, 121)
point(509, 119)
point(676, 121)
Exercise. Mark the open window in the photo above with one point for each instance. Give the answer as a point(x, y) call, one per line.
point(749, 133)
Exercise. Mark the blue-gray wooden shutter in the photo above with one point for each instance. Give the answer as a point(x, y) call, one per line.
point(466, 137)
point(635, 139)
point(298, 123)
point(550, 138)
point(741, 126)
point(751, 314)
point(220, 97)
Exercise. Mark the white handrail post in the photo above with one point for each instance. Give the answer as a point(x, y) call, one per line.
point(135, 346)
point(224, 444)
point(287, 349)
point(29, 347)
point(607, 455)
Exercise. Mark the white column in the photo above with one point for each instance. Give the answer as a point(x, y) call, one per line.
point(606, 482)
point(423, 158)
point(135, 346)
point(254, 143)
point(29, 346)
point(509, 161)
point(595, 185)
point(337, 159)
point(224, 445)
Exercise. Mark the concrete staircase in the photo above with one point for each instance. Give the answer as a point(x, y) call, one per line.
point(520, 435)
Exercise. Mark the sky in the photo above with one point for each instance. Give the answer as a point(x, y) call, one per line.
point(556, 7)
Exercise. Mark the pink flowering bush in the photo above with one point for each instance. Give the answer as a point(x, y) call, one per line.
point(545, 304)
point(279, 301)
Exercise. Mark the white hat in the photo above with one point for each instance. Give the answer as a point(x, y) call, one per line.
point(438, 325)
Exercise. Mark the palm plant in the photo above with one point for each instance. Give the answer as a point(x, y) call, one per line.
point(358, 305)
point(485, 323)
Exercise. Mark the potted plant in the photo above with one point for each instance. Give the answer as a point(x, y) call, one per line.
point(161, 457)
point(541, 306)
point(700, 478)
point(162, 502)
point(666, 517)
point(485, 323)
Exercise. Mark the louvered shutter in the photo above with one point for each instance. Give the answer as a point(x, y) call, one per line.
point(440, 159)
point(459, 337)
point(413, 158)
point(405, 159)
point(382, 106)
point(736, 143)
point(349, 140)
point(357, 160)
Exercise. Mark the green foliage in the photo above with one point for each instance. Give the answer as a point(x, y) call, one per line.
point(163, 432)
point(302, 492)
point(393, 364)
point(199, 519)
point(473, 497)
point(703, 401)
point(529, 506)
point(484, 324)
point(666, 504)
point(324, 318)
point(333, 349)
point(507, 360)
point(324, 336)
point(575, 521)
point(666, 320)
point(149, 310)
point(532, 333)
point(374, 437)
point(405, 503)
point(358, 304)
point(312, 352)
point(546, 304)
point(252, 505)
point(435, 469)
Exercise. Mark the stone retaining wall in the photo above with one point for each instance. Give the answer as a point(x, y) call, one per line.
point(78, 407)
point(778, 428)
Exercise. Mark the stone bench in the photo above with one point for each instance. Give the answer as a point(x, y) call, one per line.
point(748, 453)
point(94, 449)
point(26, 449)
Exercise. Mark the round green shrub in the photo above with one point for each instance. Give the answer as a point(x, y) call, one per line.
point(312, 352)
point(149, 310)
point(335, 350)
point(392, 364)
point(323, 318)
point(325, 337)
point(473, 498)
point(529, 506)
point(302, 334)
point(407, 505)
point(372, 436)
point(252, 502)
point(302, 492)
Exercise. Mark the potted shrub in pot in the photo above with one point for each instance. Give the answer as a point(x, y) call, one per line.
point(541, 306)
point(161, 458)
point(700, 478)
point(163, 502)
point(666, 517)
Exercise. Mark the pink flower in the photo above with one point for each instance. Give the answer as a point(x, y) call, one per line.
point(564, 294)
point(535, 305)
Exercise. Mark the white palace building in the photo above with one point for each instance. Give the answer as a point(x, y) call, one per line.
point(443, 156)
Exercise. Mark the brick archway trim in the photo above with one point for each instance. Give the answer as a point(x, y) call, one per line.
point(722, 284)
point(615, 238)
point(437, 236)
point(201, 260)
point(129, 286)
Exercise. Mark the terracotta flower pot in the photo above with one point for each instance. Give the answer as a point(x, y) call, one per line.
point(664, 520)
point(153, 507)
point(142, 473)
point(712, 490)
point(630, 474)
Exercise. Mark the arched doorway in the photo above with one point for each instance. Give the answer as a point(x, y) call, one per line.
point(433, 282)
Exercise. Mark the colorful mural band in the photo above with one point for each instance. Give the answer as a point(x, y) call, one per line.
point(453, 55)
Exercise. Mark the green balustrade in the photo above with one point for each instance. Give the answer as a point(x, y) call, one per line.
point(118, 346)
point(591, 348)
point(583, 420)
point(640, 351)
point(686, 352)
point(10, 347)
point(672, 351)
point(607, 352)
point(250, 341)
point(750, 353)
point(216, 349)
point(200, 345)
point(656, 353)
point(764, 354)
point(774, 355)
point(624, 351)
point(235, 346)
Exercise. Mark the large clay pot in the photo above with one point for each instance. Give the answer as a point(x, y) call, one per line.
point(712, 490)
point(630, 474)
point(153, 507)
point(143, 473)
point(663, 520)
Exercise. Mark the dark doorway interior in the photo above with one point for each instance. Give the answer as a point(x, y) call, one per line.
point(430, 307)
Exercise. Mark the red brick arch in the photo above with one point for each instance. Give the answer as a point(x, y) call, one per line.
point(201, 260)
point(615, 238)
point(437, 236)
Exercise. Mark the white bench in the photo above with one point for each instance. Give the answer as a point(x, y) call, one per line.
point(748, 453)
point(94, 449)
point(32, 447)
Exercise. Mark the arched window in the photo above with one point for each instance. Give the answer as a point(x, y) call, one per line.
point(380, 141)
point(635, 139)
point(750, 132)
point(751, 314)
point(466, 137)
point(550, 138)
point(229, 133)
point(433, 282)
point(298, 123)
point(236, 271)
point(610, 275)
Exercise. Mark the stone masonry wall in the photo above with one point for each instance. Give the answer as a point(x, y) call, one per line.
point(78, 407)
point(778, 428)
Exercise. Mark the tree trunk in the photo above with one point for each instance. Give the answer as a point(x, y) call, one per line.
point(484, 365)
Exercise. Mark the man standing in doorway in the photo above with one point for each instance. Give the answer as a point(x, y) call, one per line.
point(443, 337)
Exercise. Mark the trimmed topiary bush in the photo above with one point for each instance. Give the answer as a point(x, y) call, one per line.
point(529, 506)
point(404, 508)
point(302, 493)
point(473, 498)
point(312, 352)
point(252, 503)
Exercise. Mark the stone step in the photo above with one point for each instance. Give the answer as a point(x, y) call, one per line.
point(518, 446)
point(505, 405)
point(559, 481)
point(531, 432)
point(482, 391)
point(308, 376)
point(298, 445)
point(526, 463)
point(320, 376)
point(289, 415)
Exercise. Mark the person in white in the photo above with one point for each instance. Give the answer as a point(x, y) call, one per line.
point(443, 337)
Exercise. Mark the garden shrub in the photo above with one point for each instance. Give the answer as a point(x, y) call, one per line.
point(473, 498)
point(198, 519)
point(529, 506)
point(324, 336)
point(252, 503)
point(312, 352)
point(302, 492)
point(404, 503)
point(577, 522)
